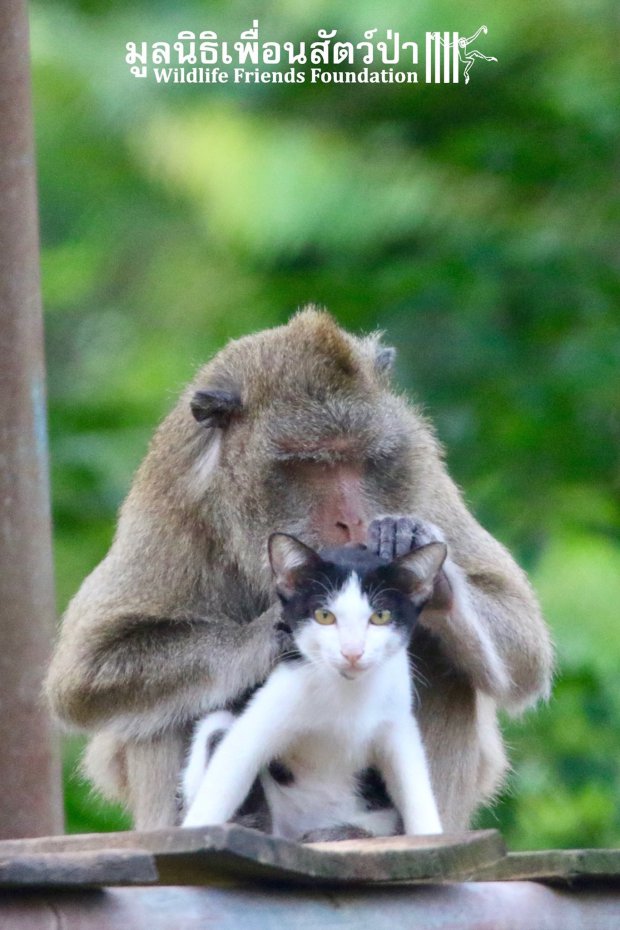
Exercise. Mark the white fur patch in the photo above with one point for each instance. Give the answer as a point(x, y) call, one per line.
point(464, 613)
point(197, 756)
point(200, 476)
point(325, 728)
point(352, 609)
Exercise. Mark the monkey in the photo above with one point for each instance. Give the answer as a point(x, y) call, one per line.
point(294, 429)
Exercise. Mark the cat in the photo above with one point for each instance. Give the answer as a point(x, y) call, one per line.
point(331, 733)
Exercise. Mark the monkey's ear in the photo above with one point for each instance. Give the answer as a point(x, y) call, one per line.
point(384, 359)
point(215, 408)
point(287, 557)
point(423, 565)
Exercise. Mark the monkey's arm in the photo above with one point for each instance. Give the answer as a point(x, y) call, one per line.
point(476, 34)
point(143, 672)
point(488, 617)
point(483, 610)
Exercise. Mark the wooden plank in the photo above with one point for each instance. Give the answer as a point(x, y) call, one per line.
point(231, 852)
point(397, 859)
point(564, 866)
point(78, 869)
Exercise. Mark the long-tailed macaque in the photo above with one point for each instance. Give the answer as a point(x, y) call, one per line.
point(296, 430)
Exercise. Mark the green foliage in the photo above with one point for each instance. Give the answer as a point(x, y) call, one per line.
point(477, 225)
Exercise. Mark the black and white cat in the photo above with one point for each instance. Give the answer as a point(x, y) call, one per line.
point(332, 728)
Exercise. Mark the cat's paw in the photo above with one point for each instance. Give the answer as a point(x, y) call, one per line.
point(392, 536)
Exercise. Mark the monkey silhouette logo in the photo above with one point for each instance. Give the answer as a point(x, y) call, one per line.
point(461, 50)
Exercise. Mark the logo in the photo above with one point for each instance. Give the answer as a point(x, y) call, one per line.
point(378, 58)
point(446, 53)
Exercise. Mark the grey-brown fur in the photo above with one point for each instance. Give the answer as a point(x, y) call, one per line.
point(179, 617)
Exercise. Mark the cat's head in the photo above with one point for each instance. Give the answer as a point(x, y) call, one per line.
point(347, 608)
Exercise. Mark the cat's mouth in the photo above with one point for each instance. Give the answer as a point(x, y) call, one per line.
point(351, 672)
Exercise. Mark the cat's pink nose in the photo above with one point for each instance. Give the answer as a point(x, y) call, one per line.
point(352, 654)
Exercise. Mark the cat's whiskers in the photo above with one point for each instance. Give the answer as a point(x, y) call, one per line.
point(374, 591)
point(289, 654)
point(417, 678)
point(328, 588)
point(389, 590)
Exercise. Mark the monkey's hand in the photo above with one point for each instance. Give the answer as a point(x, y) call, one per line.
point(393, 536)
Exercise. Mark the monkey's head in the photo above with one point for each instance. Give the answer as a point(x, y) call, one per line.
point(296, 428)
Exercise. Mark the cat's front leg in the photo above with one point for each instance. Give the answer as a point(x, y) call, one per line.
point(402, 761)
point(258, 735)
point(208, 734)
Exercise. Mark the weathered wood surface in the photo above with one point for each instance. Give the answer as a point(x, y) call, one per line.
point(230, 853)
point(78, 869)
point(563, 866)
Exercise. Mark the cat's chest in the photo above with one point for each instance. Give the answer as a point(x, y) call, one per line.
point(343, 717)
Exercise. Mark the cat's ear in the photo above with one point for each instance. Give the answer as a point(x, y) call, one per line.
point(288, 558)
point(423, 565)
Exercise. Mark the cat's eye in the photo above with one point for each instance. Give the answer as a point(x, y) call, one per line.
point(381, 617)
point(326, 617)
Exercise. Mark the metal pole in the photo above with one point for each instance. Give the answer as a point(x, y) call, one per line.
point(30, 796)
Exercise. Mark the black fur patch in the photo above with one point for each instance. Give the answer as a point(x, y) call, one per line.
point(280, 772)
point(239, 704)
point(288, 651)
point(291, 655)
point(342, 831)
point(371, 789)
point(254, 812)
point(213, 742)
point(386, 583)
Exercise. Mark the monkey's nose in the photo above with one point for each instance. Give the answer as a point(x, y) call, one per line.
point(352, 532)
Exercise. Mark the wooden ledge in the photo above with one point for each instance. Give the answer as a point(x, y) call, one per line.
point(221, 855)
point(229, 855)
point(557, 866)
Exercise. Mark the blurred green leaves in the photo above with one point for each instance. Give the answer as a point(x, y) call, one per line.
point(477, 225)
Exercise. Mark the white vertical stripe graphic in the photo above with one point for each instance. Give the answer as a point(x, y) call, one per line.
point(442, 58)
point(447, 58)
point(455, 58)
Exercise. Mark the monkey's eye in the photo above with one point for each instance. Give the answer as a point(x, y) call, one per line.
point(325, 617)
point(381, 617)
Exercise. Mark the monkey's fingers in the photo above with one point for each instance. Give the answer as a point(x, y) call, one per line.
point(405, 535)
point(382, 537)
point(390, 537)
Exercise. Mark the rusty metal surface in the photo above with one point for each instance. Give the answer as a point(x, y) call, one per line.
point(29, 773)
point(484, 906)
